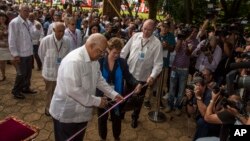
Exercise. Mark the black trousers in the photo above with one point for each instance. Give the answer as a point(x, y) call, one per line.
point(138, 105)
point(102, 124)
point(63, 131)
point(23, 75)
point(36, 56)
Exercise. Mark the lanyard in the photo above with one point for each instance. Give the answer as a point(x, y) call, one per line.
point(26, 26)
point(143, 45)
point(58, 49)
point(74, 36)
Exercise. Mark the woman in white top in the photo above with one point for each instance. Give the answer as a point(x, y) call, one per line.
point(4, 50)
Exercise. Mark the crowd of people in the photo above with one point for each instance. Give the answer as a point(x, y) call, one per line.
point(89, 60)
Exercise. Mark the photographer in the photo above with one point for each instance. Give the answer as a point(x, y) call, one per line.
point(208, 54)
point(198, 100)
point(232, 110)
point(207, 75)
point(184, 46)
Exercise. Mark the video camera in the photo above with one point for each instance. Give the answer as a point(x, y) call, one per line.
point(233, 78)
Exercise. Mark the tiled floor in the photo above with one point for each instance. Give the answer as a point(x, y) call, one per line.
point(31, 110)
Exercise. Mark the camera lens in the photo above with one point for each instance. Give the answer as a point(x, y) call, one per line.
point(216, 89)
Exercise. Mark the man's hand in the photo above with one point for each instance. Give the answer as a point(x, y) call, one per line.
point(215, 96)
point(138, 89)
point(210, 58)
point(118, 98)
point(189, 93)
point(16, 59)
point(165, 45)
point(104, 102)
point(232, 110)
point(150, 80)
point(197, 92)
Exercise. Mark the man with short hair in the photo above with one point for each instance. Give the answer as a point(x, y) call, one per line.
point(168, 43)
point(21, 48)
point(57, 17)
point(37, 35)
point(198, 100)
point(145, 61)
point(52, 50)
point(74, 96)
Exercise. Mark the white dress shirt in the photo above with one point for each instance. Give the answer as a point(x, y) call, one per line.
point(36, 34)
point(20, 42)
point(75, 38)
point(152, 63)
point(50, 29)
point(202, 60)
point(50, 50)
point(74, 95)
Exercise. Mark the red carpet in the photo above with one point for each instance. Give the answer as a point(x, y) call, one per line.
point(12, 129)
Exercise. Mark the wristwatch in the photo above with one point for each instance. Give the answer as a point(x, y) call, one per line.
point(211, 101)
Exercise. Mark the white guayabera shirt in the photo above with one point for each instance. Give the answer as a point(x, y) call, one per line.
point(74, 96)
point(148, 64)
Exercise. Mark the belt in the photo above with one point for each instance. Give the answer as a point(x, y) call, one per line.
point(180, 68)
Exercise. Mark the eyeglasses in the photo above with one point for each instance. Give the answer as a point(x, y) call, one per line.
point(102, 52)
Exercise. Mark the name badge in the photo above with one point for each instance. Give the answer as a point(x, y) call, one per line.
point(141, 55)
point(58, 60)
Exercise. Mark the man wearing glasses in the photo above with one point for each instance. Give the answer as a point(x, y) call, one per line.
point(74, 96)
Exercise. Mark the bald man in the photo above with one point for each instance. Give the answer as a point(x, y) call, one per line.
point(53, 48)
point(145, 60)
point(74, 96)
point(21, 48)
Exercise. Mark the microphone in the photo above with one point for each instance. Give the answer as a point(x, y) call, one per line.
point(240, 65)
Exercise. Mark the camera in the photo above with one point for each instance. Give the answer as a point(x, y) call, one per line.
point(211, 13)
point(207, 47)
point(239, 106)
point(184, 33)
point(190, 86)
point(233, 78)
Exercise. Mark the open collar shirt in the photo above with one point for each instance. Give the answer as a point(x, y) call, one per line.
point(202, 60)
point(36, 34)
point(20, 41)
point(75, 38)
point(152, 63)
point(74, 95)
point(50, 51)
